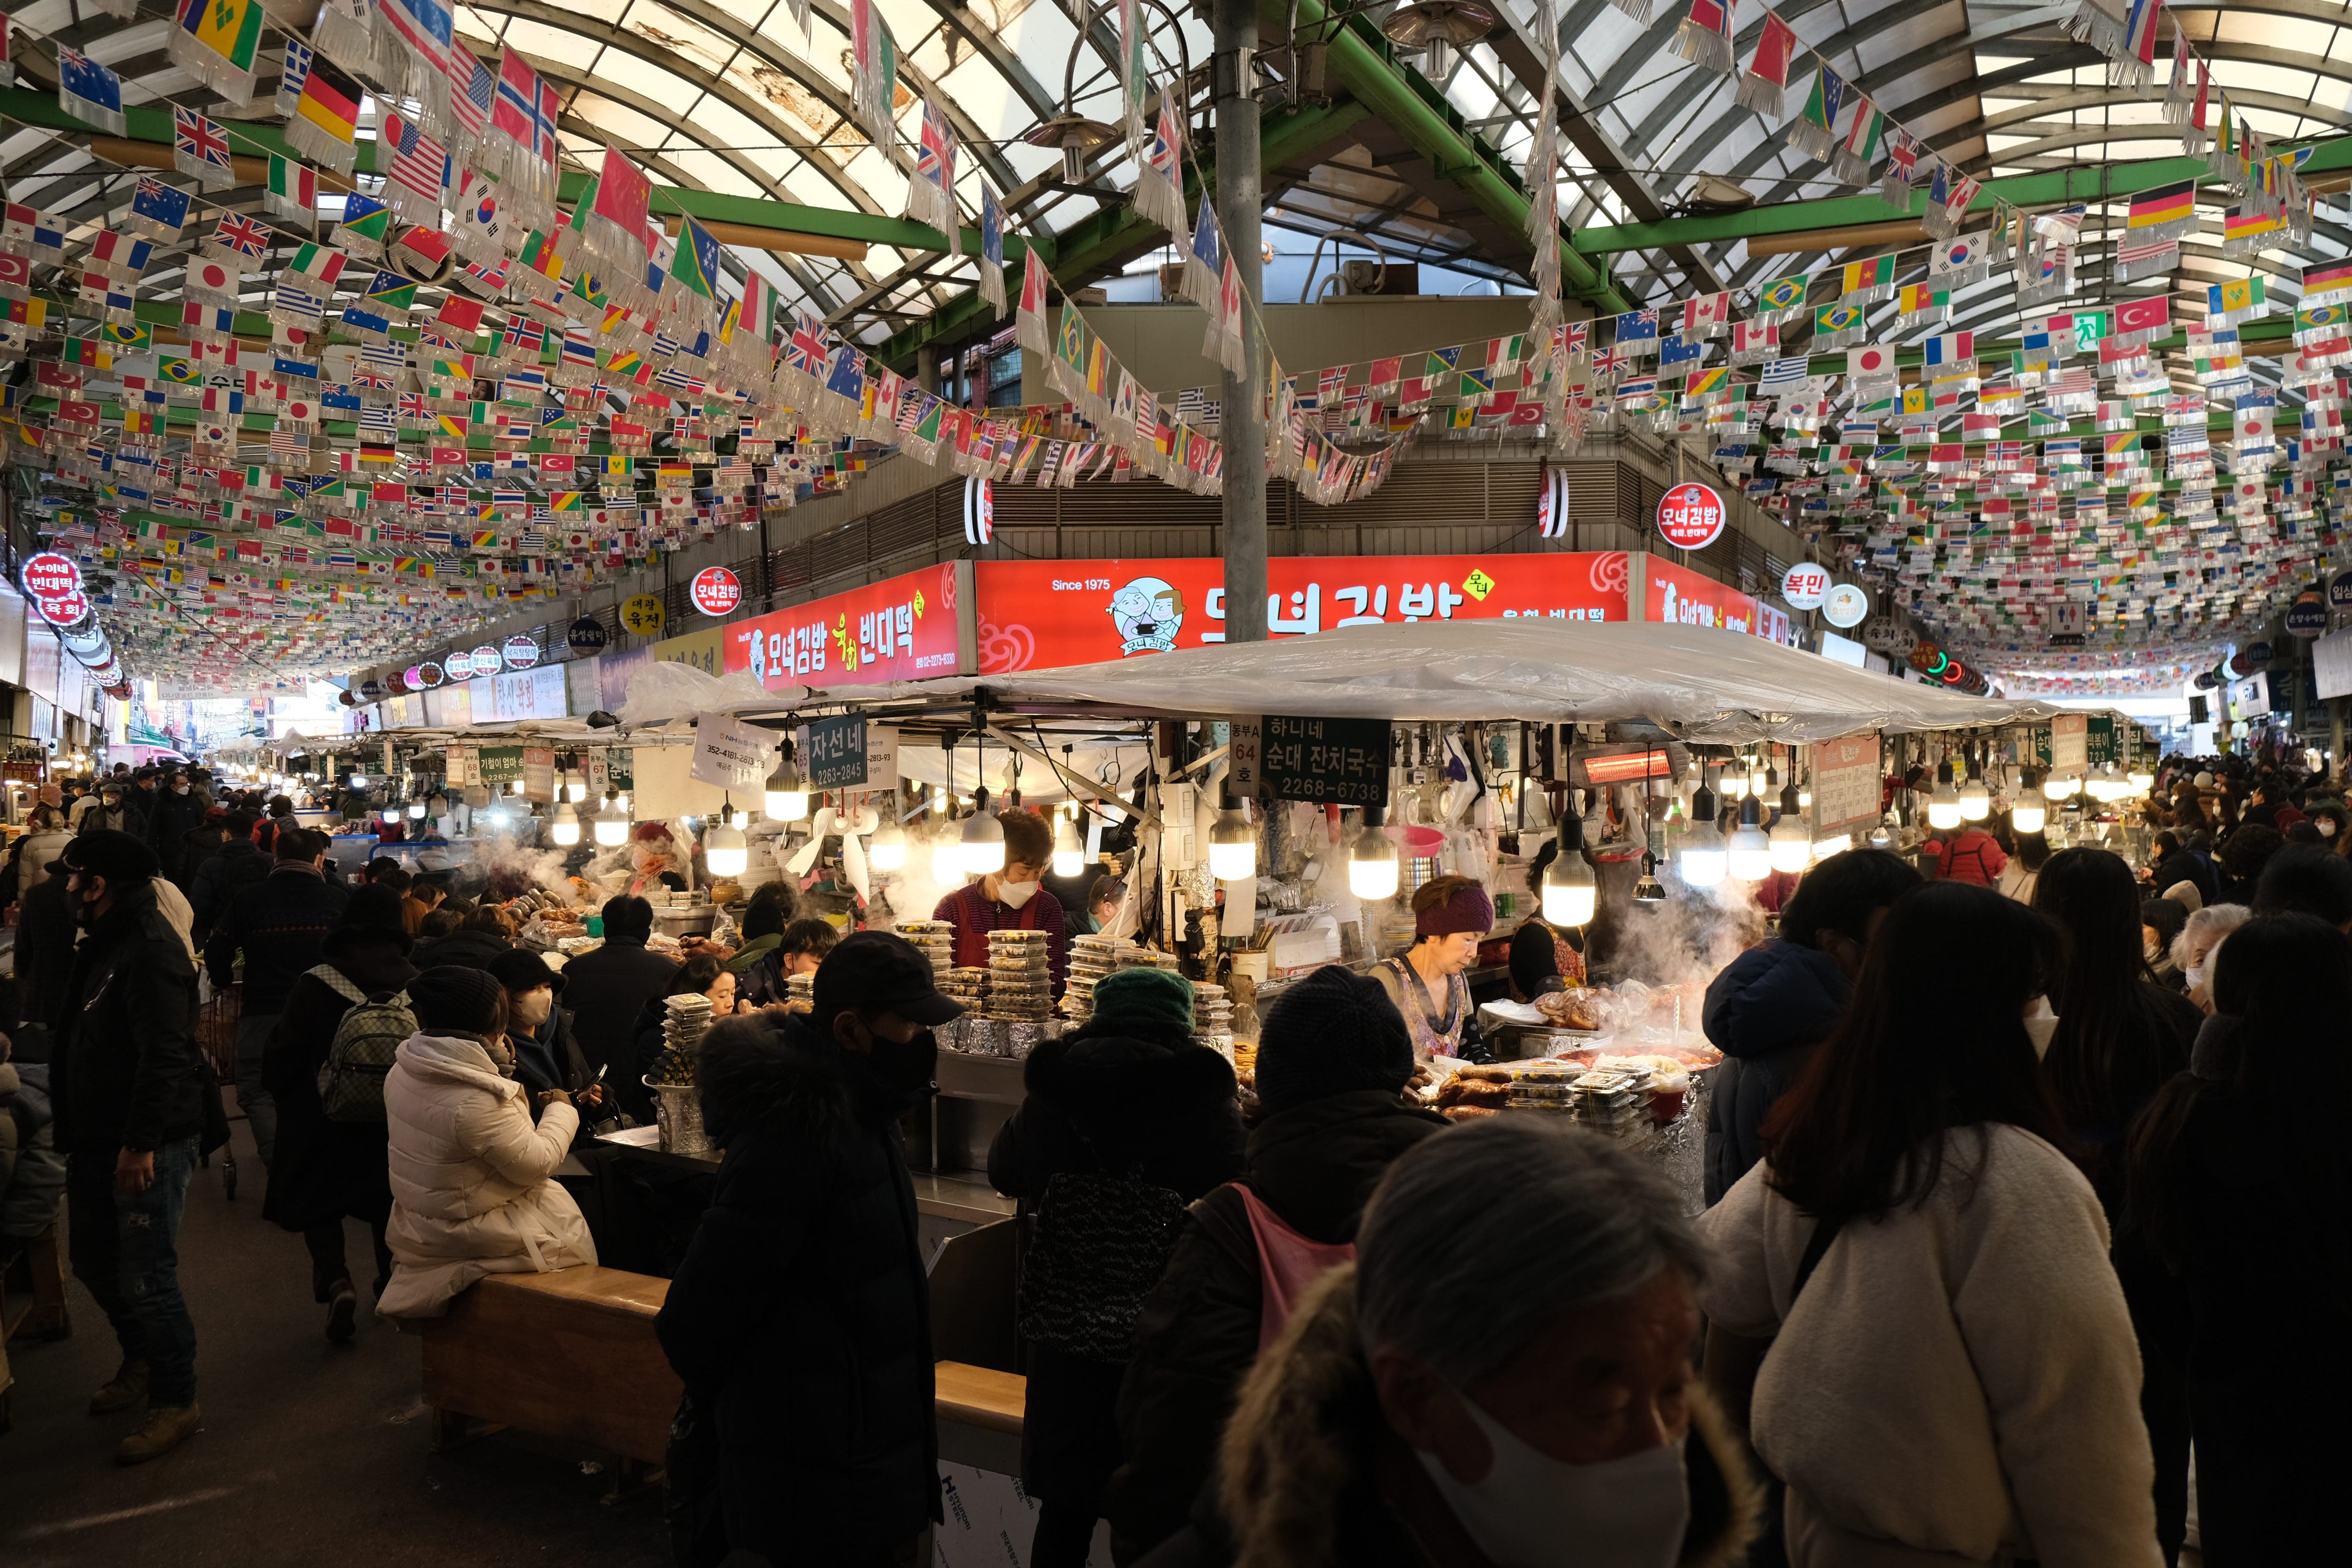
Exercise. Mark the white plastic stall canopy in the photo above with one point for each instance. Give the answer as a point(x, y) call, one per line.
point(1705, 684)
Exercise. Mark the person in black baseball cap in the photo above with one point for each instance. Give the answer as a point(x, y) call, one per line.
point(130, 1114)
point(546, 1055)
point(813, 1218)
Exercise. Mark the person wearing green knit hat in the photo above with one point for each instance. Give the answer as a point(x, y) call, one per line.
point(1126, 1120)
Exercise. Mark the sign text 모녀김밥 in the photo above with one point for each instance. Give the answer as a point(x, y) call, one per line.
point(1340, 760)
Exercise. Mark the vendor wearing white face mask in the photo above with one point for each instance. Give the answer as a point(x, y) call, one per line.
point(1011, 900)
point(1567, 1430)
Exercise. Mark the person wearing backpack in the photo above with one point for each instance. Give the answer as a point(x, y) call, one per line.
point(1125, 1123)
point(345, 1012)
point(1332, 1063)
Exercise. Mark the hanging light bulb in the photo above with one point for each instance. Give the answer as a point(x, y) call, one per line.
point(1944, 804)
point(1372, 860)
point(415, 811)
point(612, 823)
point(1649, 889)
point(1976, 800)
point(564, 827)
point(2062, 787)
point(578, 788)
point(982, 838)
point(787, 792)
point(515, 788)
point(1790, 848)
point(1569, 890)
point(358, 781)
point(1759, 779)
point(723, 848)
point(1703, 861)
point(2030, 813)
point(1233, 845)
point(885, 852)
point(1749, 853)
point(1070, 856)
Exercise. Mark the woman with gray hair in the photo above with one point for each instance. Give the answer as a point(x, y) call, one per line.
point(1503, 1377)
point(2192, 950)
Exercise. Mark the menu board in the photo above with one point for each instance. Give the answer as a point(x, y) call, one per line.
point(1342, 761)
point(2070, 736)
point(539, 774)
point(1845, 786)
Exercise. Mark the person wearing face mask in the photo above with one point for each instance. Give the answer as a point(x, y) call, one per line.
point(1912, 1312)
point(177, 811)
point(1566, 1430)
point(472, 1178)
point(270, 937)
point(799, 1320)
point(2333, 823)
point(2161, 922)
point(129, 1080)
point(2193, 951)
point(1012, 900)
point(539, 1031)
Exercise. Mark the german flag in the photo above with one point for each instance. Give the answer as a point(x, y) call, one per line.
point(2334, 278)
point(2165, 212)
point(330, 106)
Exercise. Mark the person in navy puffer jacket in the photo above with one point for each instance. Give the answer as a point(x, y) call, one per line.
point(1773, 1003)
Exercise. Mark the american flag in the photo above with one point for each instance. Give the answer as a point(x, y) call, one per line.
point(418, 161)
point(471, 88)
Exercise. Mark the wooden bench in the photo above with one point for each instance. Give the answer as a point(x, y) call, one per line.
point(981, 1411)
point(40, 1317)
point(572, 1355)
point(569, 1354)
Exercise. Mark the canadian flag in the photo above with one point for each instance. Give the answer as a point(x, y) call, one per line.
point(1874, 360)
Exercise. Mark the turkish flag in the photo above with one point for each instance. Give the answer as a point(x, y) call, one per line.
point(2148, 315)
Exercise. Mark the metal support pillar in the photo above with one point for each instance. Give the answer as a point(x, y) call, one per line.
point(927, 369)
point(1240, 202)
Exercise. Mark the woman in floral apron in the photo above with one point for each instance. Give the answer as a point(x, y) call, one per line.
point(1428, 981)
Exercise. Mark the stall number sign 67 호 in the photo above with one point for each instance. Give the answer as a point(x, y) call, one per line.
point(1338, 760)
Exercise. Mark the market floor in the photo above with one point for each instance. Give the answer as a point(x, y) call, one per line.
point(310, 1452)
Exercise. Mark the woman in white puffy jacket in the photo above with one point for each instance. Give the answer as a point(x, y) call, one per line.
point(473, 1187)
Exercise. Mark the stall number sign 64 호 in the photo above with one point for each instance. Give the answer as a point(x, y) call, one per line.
point(1341, 761)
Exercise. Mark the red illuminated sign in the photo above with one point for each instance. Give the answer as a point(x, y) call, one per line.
point(1691, 516)
point(49, 575)
point(1676, 596)
point(1043, 614)
point(716, 591)
point(903, 629)
point(1805, 585)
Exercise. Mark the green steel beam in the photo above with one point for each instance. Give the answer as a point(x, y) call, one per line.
point(2104, 181)
point(1114, 231)
point(1365, 63)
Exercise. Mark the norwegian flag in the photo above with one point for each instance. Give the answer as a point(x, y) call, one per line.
point(200, 149)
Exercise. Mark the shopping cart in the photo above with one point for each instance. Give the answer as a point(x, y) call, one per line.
point(216, 1021)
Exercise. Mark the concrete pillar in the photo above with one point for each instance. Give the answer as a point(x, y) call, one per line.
point(1240, 203)
point(927, 370)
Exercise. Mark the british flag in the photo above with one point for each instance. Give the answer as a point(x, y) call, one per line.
point(809, 348)
point(200, 148)
point(242, 235)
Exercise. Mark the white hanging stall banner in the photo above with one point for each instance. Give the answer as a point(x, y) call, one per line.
point(732, 756)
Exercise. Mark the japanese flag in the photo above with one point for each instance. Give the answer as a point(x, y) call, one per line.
point(1876, 360)
point(214, 277)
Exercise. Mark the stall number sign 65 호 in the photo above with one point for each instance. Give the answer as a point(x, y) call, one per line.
point(1691, 516)
point(1341, 761)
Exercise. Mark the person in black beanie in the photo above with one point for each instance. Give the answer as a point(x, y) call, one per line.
point(1129, 1117)
point(1333, 1061)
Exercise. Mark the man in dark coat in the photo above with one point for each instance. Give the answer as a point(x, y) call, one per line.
point(325, 1170)
point(129, 1079)
point(278, 925)
point(799, 1320)
point(233, 865)
point(1332, 1065)
point(175, 811)
point(1773, 1003)
point(44, 944)
point(1132, 1099)
point(606, 988)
